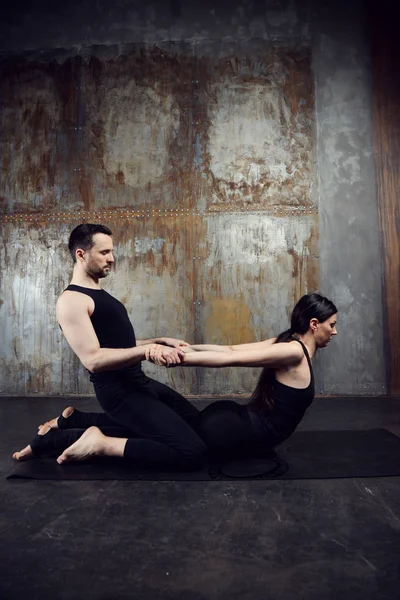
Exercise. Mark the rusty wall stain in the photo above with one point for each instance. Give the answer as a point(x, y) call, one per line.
point(228, 320)
point(153, 277)
point(256, 266)
point(140, 128)
point(39, 124)
point(258, 148)
point(157, 127)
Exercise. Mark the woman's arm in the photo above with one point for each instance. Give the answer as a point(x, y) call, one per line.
point(254, 355)
point(166, 341)
point(235, 348)
point(206, 348)
point(273, 355)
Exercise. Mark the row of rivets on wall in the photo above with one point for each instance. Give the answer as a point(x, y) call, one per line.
point(119, 214)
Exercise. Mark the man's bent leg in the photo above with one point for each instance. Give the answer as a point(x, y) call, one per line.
point(162, 437)
point(176, 402)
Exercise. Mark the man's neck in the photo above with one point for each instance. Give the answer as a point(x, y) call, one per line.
point(84, 280)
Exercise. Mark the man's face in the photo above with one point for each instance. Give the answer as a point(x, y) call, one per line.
point(99, 259)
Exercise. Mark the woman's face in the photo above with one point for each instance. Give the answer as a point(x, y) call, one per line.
point(324, 331)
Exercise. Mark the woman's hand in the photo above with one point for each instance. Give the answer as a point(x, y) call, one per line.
point(187, 349)
point(163, 356)
point(172, 342)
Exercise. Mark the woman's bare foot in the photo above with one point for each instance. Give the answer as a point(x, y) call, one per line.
point(26, 453)
point(67, 412)
point(93, 443)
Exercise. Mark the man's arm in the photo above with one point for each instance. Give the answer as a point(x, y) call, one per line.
point(73, 316)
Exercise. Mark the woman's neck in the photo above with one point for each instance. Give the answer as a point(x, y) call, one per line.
point(309, 342)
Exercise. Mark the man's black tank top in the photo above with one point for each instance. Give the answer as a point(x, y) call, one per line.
point(112, 325)
point(290, 404)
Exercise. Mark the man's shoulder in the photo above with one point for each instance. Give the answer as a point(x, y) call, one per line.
point(73, 298)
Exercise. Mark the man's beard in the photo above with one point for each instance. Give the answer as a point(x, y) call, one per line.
point(98, 273)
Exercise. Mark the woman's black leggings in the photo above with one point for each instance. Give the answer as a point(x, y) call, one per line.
point(164, 429)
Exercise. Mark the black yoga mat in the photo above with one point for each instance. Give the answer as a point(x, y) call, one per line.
point(306, 455)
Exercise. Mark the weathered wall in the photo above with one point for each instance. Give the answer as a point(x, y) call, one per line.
point(350, 256)
point(190, 132)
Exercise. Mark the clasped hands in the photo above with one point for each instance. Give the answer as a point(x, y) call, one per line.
point(170, 355)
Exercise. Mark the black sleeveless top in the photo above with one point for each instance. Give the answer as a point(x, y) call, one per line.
point(112, 325)
point(290, 404)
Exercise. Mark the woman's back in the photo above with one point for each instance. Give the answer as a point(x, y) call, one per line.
point(291, 391)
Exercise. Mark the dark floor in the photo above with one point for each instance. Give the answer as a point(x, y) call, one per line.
point(256, 540)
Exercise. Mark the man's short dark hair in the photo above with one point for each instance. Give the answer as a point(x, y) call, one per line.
point(82, 237)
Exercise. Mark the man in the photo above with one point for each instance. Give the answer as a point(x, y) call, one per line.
point(145, 421)
point(91, 248)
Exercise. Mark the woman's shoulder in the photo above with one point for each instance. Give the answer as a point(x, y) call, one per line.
point(294, 348)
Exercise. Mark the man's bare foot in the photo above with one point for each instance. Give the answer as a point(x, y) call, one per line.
point(67, 412)
point(26, 453)
point(90, 444)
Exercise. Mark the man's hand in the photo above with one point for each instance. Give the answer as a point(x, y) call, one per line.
point(172, 342)
point(163, 356)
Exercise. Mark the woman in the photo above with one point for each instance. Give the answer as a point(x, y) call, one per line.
point(283, 393)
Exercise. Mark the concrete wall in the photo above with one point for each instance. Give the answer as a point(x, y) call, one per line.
point(237, 238)
point(350, 256)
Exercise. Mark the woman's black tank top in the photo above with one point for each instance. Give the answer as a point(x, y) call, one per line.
point(111, 323)
point(290, 404)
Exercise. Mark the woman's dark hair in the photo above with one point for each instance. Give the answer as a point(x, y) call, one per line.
point(310, 306)
point(82, 237)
